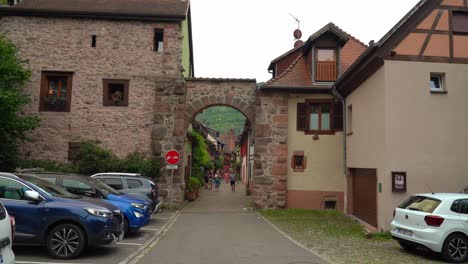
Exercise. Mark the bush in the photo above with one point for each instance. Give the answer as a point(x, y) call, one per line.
point(193, 184)
point(48, 165)
point(93, 159)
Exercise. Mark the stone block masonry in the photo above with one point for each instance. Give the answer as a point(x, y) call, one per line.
point(161, 102)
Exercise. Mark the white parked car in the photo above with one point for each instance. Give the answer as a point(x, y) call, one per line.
point(435, 221)
point(6, 237)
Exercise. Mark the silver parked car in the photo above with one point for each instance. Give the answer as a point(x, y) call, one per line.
point(132, 183)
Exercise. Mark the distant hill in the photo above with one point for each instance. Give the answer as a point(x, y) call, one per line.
point(223, 119)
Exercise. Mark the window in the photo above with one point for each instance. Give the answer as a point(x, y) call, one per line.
point(350, 120)
point(113, 182)
point(2, 212)
point(133, 184)
point(55, 92)
point(319, 116)
point(325, 66)
point(420, 203)
point(437, 83)
point(460, 22)
point(77, 187)
point(13, 190)
point(115, 92)
point(298, 161)
point(51, 180)
point(460, 206)
point(93, 41)
point(158, 39)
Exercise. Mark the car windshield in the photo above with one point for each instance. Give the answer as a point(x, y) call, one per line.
point(421, 204)
point(50, 188)
point(104, 188)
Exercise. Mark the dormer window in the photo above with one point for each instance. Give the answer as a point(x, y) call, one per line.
point(325, 65)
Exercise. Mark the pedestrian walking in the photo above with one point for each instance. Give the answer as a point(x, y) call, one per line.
point(211, 180)
point(226, 177)
point(207, 178)
point(217, 181)
point(233, 178)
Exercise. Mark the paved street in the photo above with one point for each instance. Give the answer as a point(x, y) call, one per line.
point(217, 228)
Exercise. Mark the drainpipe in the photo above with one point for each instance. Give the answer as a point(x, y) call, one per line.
point(343, 102)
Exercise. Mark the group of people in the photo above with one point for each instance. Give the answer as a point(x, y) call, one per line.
point(214, 179)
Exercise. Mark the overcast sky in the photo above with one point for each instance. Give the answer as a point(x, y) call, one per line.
point(239, 38)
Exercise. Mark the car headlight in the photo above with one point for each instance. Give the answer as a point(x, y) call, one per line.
point(138, 205)
point(99, 212)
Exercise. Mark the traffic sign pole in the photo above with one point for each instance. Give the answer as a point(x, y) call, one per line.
point(172, 160)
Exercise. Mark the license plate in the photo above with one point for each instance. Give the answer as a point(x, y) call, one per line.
point(405, 232)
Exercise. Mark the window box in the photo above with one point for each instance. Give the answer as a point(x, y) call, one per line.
point(115, 92)
point(55, 93)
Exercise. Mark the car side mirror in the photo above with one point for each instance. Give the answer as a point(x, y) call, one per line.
point(32, 195)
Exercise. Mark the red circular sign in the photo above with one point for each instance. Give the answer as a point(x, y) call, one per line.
point(172, 157)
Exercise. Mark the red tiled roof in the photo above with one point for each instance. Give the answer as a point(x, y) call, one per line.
point(165, 8)
point(299, 73)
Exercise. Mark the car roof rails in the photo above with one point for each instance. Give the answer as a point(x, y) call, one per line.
point(29, 170)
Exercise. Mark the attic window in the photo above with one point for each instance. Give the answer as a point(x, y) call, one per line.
point(325, 66)
point(158, 39)
point(93, 41)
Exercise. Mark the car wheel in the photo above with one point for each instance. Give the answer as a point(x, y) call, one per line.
point(407, 246)
point(65, 241)
point(126, 228)
point(455, 248)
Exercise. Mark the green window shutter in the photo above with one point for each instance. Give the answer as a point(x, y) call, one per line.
point(301, 117)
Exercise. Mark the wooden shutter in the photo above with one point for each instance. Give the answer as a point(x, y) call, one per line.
point(338, 116)
point(301, 117)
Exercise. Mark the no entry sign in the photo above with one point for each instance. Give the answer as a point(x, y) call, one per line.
point(172, 157)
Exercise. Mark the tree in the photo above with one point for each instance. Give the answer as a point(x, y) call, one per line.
point(4, 2)
point(14, 125)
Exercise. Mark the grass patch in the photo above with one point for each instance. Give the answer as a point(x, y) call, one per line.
point(383, 236)
point(327, 223)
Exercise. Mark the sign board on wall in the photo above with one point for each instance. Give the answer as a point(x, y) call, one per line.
point(399, 181)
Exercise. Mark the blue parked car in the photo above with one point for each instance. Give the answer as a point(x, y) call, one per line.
point(46, 214)
point(136, 210)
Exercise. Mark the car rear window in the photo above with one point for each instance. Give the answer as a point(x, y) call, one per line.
point(420, 204)
point(2, 212)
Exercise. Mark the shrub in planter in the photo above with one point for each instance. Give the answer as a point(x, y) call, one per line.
point(193, 185)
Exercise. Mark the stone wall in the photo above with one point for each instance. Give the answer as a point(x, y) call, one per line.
point(124, 51)
point(271, 150)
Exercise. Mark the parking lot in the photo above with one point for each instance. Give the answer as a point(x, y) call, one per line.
point(130, 248)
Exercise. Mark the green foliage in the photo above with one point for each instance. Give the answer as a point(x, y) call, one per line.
point(223, 119)
point(48, 165)
point(3, 2)
point(138, 162)
point(219, 163)
point(201, 157)
point(380, 236)
point(193, 184)
point(14, 125)
point(94, 159)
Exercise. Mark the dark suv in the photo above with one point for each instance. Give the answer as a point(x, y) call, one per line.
point(132, 183)
point(46, 214)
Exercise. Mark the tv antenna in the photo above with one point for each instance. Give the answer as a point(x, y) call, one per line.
point(297, 20)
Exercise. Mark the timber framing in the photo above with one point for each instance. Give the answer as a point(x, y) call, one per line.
point(373, 58)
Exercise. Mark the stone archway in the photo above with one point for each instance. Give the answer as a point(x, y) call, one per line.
point(267, 114)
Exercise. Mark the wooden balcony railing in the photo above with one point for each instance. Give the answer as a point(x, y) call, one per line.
point(326, 71)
